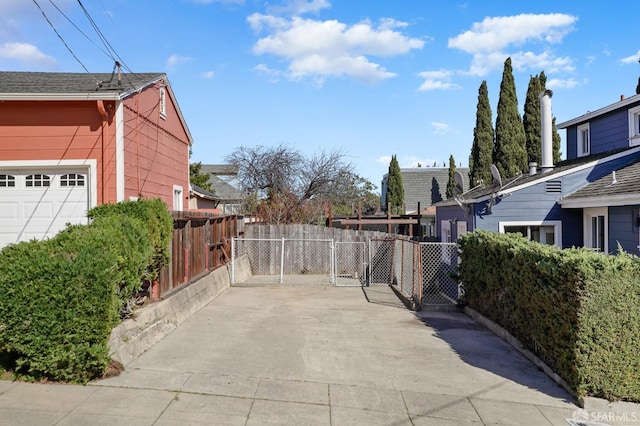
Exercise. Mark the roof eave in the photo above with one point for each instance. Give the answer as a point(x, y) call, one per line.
point(605, 201)
point(81, 96)
point(589, 115)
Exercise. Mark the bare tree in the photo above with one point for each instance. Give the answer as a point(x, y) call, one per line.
point(288, 186)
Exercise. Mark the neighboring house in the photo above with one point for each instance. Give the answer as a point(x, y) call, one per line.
point(201, 199)
point(424, 185)
point(224, 184)
point(587, 200)
point(72, 141)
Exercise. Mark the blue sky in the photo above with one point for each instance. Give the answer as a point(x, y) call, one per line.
point(372, 78)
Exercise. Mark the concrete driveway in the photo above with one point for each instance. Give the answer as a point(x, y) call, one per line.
point(316, 355)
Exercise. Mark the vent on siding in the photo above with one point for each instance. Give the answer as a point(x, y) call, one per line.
point(554, 187)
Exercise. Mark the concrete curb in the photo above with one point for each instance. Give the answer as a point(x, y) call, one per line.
point(597, 408)
point(153, 322)
point(509, 338)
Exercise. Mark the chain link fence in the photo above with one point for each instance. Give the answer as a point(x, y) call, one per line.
point(287, 257)
point(439, 262)
point(423, 272)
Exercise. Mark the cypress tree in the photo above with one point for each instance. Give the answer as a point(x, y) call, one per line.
point(510, 155)
point(395, 189)
point(531, 119)
point(556, 143)
point(451, 183)
point(483, 139)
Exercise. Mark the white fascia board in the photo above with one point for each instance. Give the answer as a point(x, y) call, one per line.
point(551, 175)
point(591, 114)
point(86, 96)
point(607, 201)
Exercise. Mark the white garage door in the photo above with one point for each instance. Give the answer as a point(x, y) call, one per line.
point(39, 203)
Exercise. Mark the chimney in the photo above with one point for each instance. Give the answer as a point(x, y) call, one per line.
point(533, 168)
point(621, 98)
point(547, 131)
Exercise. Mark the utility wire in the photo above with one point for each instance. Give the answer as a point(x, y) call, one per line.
point(79, 30)
point(60, 37)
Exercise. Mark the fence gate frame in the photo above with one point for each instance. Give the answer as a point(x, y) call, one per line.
point(351, 263)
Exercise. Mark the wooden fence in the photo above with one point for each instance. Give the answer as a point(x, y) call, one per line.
point(201, 243)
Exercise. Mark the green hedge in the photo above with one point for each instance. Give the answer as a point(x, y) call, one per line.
point(155, 215)
point(576, 309)
point(62, 297)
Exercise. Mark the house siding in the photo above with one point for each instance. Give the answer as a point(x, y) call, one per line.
point(452, 214)
point(156, 149)
point(55, 130)
point(623, 229)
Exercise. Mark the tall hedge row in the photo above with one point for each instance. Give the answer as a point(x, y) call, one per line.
point(61, 297)
point(576, 309)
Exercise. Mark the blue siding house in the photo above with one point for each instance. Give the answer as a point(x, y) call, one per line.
point(592, 199)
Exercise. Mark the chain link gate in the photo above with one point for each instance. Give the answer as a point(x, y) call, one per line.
point(351, 264)
point(439, 263)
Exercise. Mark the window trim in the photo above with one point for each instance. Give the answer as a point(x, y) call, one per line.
point(587, 215)
point(163, 103)
point(634, 126)
point(580, 140)
point(557, 227)
point(178, 191)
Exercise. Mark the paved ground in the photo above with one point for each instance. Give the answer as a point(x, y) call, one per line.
point(308, 355)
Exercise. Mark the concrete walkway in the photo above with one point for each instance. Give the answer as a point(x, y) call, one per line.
point(308, 355)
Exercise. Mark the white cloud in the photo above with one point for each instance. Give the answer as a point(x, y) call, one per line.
point(174, 60)
point(489, 42)
point(321, 49)
point(208, 74)
point(437, 80)
point(556, 83)
point(27, 54)
point(273, 75)
point(631, 59)
point(440, 128)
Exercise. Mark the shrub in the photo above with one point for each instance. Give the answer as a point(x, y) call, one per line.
point(575, 309)
point(154, 214)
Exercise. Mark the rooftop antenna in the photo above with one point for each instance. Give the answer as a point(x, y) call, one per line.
point(496, 175)
point(457, 176)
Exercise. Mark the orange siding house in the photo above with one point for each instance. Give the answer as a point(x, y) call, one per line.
point(72, 141)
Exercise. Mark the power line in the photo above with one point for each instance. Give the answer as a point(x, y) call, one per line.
point(60, 37)
point(104, 40)
point(79, 30)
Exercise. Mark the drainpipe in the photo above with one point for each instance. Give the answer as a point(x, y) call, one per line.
point(547, 131)
point(105, 119)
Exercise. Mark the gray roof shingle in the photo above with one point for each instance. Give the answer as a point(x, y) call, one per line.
point(60, 83)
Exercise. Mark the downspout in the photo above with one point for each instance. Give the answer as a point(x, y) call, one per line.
point(105, 119)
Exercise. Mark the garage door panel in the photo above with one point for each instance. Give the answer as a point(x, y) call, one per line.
point(8, 211)
point(40, 212)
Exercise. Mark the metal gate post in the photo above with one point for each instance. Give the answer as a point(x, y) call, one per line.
point(282, 262)
point(332, 268)
point(233, 260)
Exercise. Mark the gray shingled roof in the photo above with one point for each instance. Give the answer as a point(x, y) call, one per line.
point(627, 179)
point(560, 167)
point(54, 82)
point(427, 185)
point(220, 169)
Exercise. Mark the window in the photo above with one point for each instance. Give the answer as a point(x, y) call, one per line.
point(7, 181)
point(163, 103)
point(71, 179)
point(547, 232)
point(634, 126)
point(584, 140)
point(177, 198)
point(37, 181)
point(595, 229)
point(445, 231)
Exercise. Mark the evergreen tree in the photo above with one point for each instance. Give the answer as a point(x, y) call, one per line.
point(198, 178)
point(557, 155)
point(395, 189)
point(483, 139)
point(531, 119)
point(451, 183)
point(510, 155)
